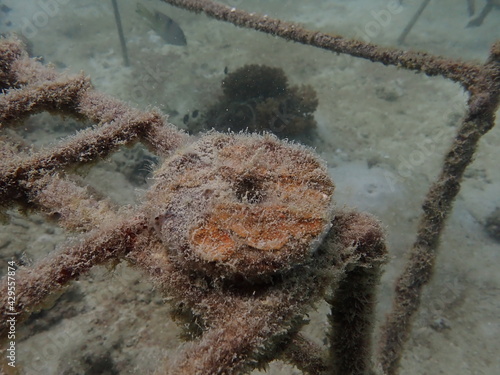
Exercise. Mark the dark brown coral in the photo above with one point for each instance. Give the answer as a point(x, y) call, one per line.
point(255, 81)
point(258, 98)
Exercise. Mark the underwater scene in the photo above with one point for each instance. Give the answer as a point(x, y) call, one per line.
point(307, 139)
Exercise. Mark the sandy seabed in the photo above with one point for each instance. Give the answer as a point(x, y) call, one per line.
point(382, 130)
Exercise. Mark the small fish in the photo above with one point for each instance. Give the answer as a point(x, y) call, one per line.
point(185, 119)
point(163, 25)
point(195, 113)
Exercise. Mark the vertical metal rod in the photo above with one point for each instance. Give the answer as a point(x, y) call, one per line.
point(412, 22)
point(123, 44)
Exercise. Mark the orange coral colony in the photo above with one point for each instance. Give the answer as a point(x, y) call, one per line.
point(244, 205)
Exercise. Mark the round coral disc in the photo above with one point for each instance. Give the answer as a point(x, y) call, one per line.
point(244, 205)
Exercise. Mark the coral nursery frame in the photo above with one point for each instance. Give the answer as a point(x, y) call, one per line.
point(303, 254)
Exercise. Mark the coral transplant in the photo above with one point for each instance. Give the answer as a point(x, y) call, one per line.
point(239, 231)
